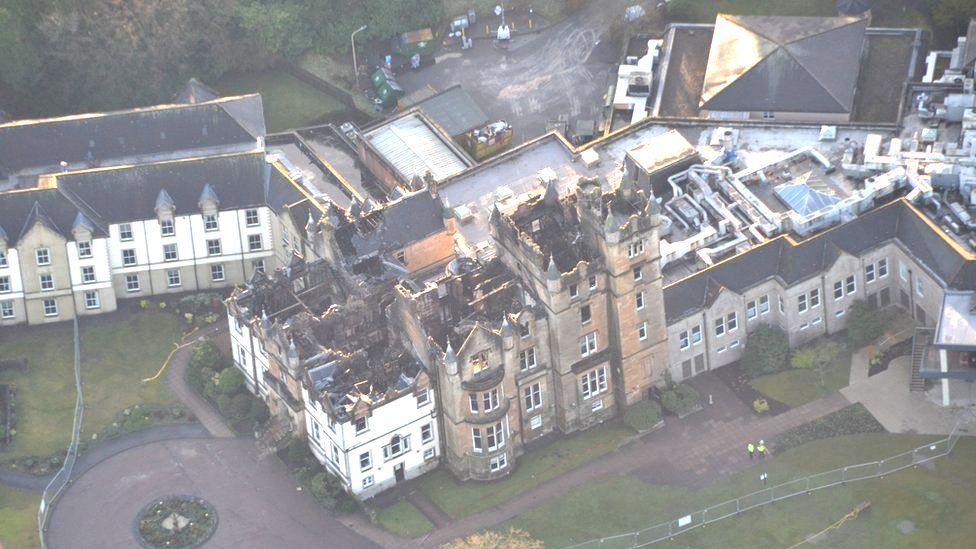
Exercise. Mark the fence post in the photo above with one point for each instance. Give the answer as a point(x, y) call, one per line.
point(808, 484)
point(914, 463)
point(843, 476)
point(737, 506)
point(880, 465)
point(635, 538)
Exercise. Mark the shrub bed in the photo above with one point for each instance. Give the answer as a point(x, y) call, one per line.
point(210, 374)
point(767, 352)
point(177, 521)
point(852, 420)
point(325, 487)
point(643, 416)
point(682, 400)
point(8, 414)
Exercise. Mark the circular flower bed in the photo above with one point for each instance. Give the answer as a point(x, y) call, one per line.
point(176, 522)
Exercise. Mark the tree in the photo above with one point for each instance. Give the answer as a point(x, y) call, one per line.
point(327, 489)
point(230, 381)
point(766, 352)
point(513, 539)
point(20, 60)
point(206, 355)
point(817, 355)
point(282, 27)
point(951, 16)
point(863, 325)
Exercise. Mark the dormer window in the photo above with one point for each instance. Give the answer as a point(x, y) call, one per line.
point(3, 258)
point(125, 231)
point(479, 362)
point(361, 425)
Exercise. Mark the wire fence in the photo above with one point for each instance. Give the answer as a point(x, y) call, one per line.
point(63, 476)
point(805, 485)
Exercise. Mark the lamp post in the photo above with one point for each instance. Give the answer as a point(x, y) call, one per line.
point(355, 65)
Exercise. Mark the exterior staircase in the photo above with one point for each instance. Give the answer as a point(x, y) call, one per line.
point(272, 437)
point(920, 343)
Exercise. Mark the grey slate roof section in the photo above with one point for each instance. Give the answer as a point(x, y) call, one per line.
point(792, 263)
point(783, 64)
point(195, 91)
point(20, 210)
point(95, 139)
point(454, 110)
point(412, 218)
point(164, 201)
point(970, 56)
point(82, 223)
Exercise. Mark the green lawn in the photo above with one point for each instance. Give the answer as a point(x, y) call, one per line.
point(118, 350)
point(404, 520)
point(18, 518)
point(797, 387)
point(885, 13)
point(460, 500)
point(288, 102)
point(931, 497)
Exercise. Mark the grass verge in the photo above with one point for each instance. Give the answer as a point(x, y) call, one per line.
point(18, 518)
point(460, 500)
point(118, 350)
point(930, 497)
point(288, 102)
point(404, 520)
point(796, 387)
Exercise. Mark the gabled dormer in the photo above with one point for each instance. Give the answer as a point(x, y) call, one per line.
point(4, 241)
point(165, 206)
point(82, 228)
point(208, 202)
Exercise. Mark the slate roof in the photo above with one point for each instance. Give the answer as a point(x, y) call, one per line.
point(777, 64)
point(454, 110)
point(116, 195)
point(969, 58)
point(409, 219)
point(94, 139)
point(792, 262)
point(195, 91)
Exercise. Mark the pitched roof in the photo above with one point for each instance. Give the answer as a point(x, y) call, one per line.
point(454, 110)
point(414, 148)
point(101, 138)
point(791, 261)
point(969, 56)
point(409, 219)
point(195, 91)
point(793, 64)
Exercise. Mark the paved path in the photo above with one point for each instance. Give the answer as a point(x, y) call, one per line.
point(695, 451)
point(176, 378)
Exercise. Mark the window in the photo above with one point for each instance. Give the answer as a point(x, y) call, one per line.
point(816, 321)
point(683, 340)
point(50, 307)
point(210, 222)
point(814, 298)
point(426, 433)
point(524, 330)
point(527, 359)
point(43, 256)
point(592, 282)
point(47, 282)
point(638, 274)
point(473, 403)
point(258, 265)
point(596, 406)
point(490, 400)
point(498, 463)
point(3, 258)
point(315, 424)
point(242, 356)
point(128, 257)
point(640, 300)
point(6, 309)
point(217, 273)
point(87, 275)
point(801, 303)
point(169, 252)
point(84, 249)
point(429, 454)
point(764, 304)
point(696, 336)
point(585, 315)
point(732, 321)
point(335, 454)
point(365, 461)
point(766, 115)
point(254, 242)
point(125, 231)
point(91, 300)
point(166, 227)
point(361, 425)
point(423, 397)
point(642, 331)
point(720, 326)
point(919, 288)
point(634, 249)
point(734, 344)
point(840, 313)
point(869, 273)
point(173, 279)
point(588, 344)
point(751, 310)
point(883, 267)
point(533, 397)
point(849, 286)
point(573, 291)
point(476, 440)
point(536, 422)
point(780, 301)
point(494, 436)
point(132, 283)
point(903, 271)
point(4, 284)
point(367, 481)
point(722, 349)
point(594, 382)
point(251, 218)
point(213, 247)
point(838, 290)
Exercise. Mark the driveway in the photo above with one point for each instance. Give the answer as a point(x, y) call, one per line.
point(562, 70)
point(256, 500)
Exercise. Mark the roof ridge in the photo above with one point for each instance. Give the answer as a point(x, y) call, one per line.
point(812, 74)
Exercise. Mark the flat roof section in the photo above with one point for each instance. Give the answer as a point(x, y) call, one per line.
point(687, 61)
point(662, 151)
point(414, 149)
point(957, 323)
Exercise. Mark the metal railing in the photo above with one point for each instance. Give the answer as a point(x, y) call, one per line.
point(805, 485)
point(63, 476)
